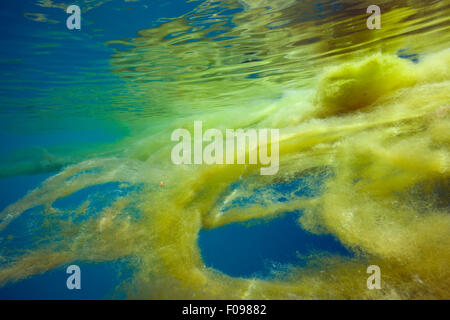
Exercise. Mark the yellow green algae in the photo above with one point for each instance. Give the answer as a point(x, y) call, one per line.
point(380, 123)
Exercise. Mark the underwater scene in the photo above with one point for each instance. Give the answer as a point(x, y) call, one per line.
point(228, 149)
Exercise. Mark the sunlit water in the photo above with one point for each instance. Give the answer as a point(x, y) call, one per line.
point(87, 177)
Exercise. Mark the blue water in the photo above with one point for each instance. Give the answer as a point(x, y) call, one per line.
point(253, 249)
point(262, 249)
point(39, 59)
point(98, 279)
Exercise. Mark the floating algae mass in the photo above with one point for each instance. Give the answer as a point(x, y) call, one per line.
point(369, 123)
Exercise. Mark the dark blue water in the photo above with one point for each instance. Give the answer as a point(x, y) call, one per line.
point(98, 279)
point(50, 79)
point(255, 249)
point(264, 248)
